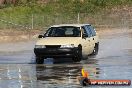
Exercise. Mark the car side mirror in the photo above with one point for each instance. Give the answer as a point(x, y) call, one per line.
point(84, 35)
point(40, 36)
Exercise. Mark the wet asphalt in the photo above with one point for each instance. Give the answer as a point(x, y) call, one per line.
point(18, 70)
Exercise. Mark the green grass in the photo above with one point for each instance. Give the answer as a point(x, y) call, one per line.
point(61, 11)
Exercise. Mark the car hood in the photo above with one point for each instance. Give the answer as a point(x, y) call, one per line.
point(58, 41)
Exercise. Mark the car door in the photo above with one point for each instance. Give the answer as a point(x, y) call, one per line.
point(91, 37)
point(87, 47)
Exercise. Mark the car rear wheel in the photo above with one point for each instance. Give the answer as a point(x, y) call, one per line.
point(39, 60)
point(96, 48)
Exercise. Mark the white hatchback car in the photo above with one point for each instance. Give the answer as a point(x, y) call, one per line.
point(75, 41)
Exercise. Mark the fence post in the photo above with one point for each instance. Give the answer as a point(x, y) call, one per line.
point(32, 21)
point(78, 18)
point(32, 26)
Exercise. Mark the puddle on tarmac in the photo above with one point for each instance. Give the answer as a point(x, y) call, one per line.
point(57, 75)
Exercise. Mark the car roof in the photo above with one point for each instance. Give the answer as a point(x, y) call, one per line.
point(75, 25)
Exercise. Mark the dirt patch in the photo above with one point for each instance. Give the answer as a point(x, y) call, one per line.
point(17, 35)
point(113, 31)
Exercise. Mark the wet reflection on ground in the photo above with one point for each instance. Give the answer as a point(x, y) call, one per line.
point(58, 75)
point(17, 76)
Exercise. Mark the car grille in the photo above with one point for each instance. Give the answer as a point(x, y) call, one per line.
point(53, 46)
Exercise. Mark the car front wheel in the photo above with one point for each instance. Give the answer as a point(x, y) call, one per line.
point(78, 54)
point(39, 60)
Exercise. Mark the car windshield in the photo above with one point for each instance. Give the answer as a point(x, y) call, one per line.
point(65, 31)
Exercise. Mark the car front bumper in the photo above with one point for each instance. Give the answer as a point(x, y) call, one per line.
point(56, 52)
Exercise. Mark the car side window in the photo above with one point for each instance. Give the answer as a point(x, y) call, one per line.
point(91, 28)
point(88, 32)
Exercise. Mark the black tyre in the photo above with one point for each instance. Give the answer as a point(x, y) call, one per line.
point(76, 59)
point(78, 54)
point(96, 48)
point(39, 60)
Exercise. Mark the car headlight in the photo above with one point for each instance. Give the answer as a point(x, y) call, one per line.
point(40, 46)
point(67, 46)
